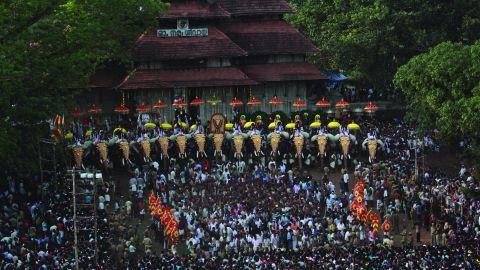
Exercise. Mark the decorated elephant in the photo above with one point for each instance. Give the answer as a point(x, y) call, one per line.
point(238, 142)
point(163, 141)
point(275, 138)
point(322, 141)
point(217, 129)
point(345, 140)
point(200, 139)
point(372, 144)
point(299, 138)
point(257, 142)
point(181, 140)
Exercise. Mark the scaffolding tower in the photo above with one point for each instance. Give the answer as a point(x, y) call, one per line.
point(85, 215)
point(47, 159)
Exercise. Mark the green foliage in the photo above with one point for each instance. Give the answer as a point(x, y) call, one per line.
point(442, 88)
point(370, 39)
point(49, 48)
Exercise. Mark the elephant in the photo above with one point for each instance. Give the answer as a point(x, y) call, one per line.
point(218, 142)
point(322, 141)
point(345, 141)
point(372, 145)
point(181, 140)
point(200, 140)
point(238, 142)
point(274, 138)
point(163, 141)
point(257, 143)
point(298, 141)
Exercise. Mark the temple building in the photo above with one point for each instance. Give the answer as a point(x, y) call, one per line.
point(217, 50)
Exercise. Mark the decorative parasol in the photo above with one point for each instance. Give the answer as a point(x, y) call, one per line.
point(142, 108)
point(193, 127)
point(159, 105)
point(323, 103)
point(196, 101)
point(248, 124)
point(229, 126)
point(299, 103)
point(315, 125)
point(371, 107)
point(333, 124)
point(342, 104)
point(150, 125)
point(290, 125)
point(254, 101)
point(122, 109)
point(179, 103)
point(118, 129)
point(353, 126)
point(214, 100)
point(76, 113)
point(272, 125)
point(275, 101)
point(166, 126)
point(94, 109)
point(236, 102)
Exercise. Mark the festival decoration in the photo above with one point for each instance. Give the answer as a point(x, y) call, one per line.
point(229, 126)
point(299, 103)
point(316, 124)
point(272, 125)
point(342, 104)
point(386, 227)
point(94, 109)
point(257, 144)
point(150, 125)
point(290, 126)
point(275, 101)
point(353, 126)
point(121, 109)
point(248, 124)
point(236, 102)
point(166, 126)
point(179, 103)
point(254, 101)
point(200, 140)
point(159, 105)
point(76, 113)
point(371, 107)
point(142, 108)
point(323, 103)
point(164, 214)
point(196, 101)
point(214, 100)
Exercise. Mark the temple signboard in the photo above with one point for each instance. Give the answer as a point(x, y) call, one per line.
point(183, 30)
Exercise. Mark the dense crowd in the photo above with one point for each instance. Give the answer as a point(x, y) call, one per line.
point(258, 214)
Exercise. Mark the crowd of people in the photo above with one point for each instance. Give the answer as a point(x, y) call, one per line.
point(257, 214)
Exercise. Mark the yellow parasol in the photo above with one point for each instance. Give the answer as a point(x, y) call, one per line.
point(315, 125)
point(69, 135)
point(166, 126)
point(193, 127)
point(248, 124)
point(290, 125)
point(333, 124)
point(88, 133)
point(272, 125)
point(353, 126)
point(183, 124)
point(150, 125)
point(229, 126)
point(122, 130)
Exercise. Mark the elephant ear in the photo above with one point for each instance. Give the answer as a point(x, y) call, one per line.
point(87, 144)
point(112, 141)
point(244, 135)
point(152, 140)
point(364, 144)
point(382, 145)
point(284, 134)
point(172, 138)
point(305, 135)
point(353, 138)
point(336, 137)
point(228, 135)
point(188, 136)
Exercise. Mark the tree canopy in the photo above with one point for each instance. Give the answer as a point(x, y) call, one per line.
point(442, 88)
point(370, 39)
point(49, 48)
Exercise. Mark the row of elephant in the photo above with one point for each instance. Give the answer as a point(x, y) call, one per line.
point(238, 140)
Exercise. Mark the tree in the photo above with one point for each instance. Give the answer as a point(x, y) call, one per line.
point(49, 48)
point(370, 39)
point(442, 88)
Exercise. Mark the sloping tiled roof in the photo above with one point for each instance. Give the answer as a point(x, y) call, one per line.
point(268, 37)
point(255, 7)
point(149, 47)
point(284, 72)
point(194, 9)
point(145, 79)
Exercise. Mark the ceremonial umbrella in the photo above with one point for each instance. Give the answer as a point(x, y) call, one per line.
point(142, 108)
point(371, 107)
point(121, 109)
point(254, 101)
point(323, 103)
point(159, 105)
point(236, 102)
point(275, 101)
point(299, 103)
point(76, 113)
point(179, 103)
point(196, 101)
point(94, 109)
point(342, 104)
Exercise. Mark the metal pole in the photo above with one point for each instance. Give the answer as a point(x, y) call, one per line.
point(75, 229)
point(95, 215)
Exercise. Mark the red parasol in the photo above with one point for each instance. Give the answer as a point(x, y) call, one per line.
point(179, 103)
point(323, 103)
point(159, 105)
point(275, 101)
point(254, 101)
point(196, 101)
point(236, 102)
point(371, 107)
point(76, 113)
point(94, 109)
point(299, 103)
point(142, 108)
point(122, 109)
point(342, 104)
